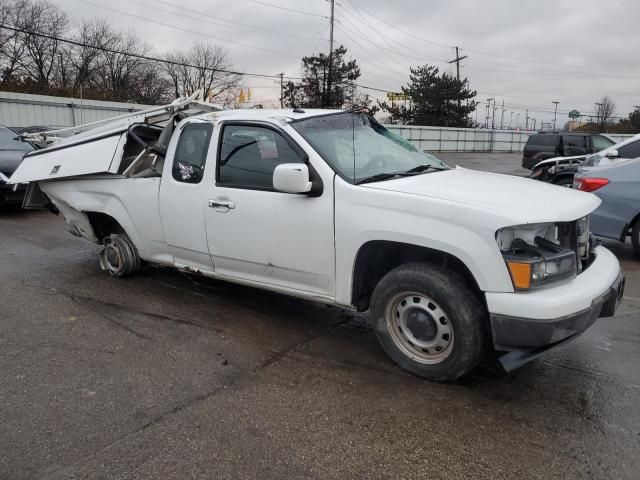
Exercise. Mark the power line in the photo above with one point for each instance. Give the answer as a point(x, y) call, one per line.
point(481, 52)
point(365, 37)
point(143, 57)
point(396, 27)
point(363, 20)
point(374, 59)
point(288, 9)
point(240, 25)
point(220, 39)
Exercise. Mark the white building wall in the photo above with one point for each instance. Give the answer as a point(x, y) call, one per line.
point(24, 110)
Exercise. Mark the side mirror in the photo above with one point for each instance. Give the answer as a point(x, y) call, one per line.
point(613, 154)
point(292, 178)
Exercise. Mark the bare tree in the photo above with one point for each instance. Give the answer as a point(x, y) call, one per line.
point(42, 53)
point(12, 46)
point(203, 67)
point(605, 109)
point(116, 70)
point(151, 86)
point(93, 35)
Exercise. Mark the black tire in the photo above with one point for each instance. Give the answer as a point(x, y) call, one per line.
point(119, 258)
point(635, 237)
point(464, 317)
point(564, 182)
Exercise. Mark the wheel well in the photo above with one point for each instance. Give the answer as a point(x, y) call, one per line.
point(103, 225)
point(561, 176)
point(627, 230)
point(377, 258)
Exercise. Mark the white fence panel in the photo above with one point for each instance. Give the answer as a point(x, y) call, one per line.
point(444, 139)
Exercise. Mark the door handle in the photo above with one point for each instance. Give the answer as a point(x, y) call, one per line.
point(222, 204)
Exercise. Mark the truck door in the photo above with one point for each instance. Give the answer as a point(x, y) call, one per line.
point(257, 234)
point(183, 194)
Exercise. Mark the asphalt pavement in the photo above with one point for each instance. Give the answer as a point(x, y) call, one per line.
point(167, 376)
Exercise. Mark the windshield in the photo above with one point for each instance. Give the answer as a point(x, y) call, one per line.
point(359, 148)
point(8, 141)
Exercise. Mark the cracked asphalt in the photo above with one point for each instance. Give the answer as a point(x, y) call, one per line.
point(163, 375)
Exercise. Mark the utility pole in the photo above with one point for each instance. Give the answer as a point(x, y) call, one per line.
point(534, 124)
point(526, 120)
point(330, 69)
point(457, 61)
point(518, 120)
point(493, 116)
point(281, 90)
point(487, 116)
point(510, 120)
point(502, 116)
point(555, 114)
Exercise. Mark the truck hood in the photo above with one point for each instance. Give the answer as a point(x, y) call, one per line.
point(521, 200)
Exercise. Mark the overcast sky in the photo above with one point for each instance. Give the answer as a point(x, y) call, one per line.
point(527, 53)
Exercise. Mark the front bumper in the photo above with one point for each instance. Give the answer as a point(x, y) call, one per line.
point(554, 315)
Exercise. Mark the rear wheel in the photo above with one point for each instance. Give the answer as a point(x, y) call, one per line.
point(119, 257)
point(429, 321)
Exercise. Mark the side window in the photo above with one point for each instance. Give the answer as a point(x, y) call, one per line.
point(250, 154)
point(545, 140)
point(600, 143)
point(191, 152)
point(631, 150)
point(574, 145)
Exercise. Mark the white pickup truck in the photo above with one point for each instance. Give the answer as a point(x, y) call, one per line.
point(332, 207)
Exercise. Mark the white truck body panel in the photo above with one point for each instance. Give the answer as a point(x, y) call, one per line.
point(97, 156)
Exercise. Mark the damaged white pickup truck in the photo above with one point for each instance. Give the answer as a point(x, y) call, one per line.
point(332, 207)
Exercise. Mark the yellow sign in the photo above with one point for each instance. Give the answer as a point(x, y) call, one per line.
point(395, 96)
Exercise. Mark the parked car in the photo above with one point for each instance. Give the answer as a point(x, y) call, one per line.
point(332, 207)
point(542, 146)
point(12, 149)
point(618, 185)
point(561, 170)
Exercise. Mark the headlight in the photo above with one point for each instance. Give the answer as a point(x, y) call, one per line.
point(533, 258)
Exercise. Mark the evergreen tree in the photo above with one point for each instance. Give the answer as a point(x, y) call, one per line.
point(435, 99)
point(324, 87)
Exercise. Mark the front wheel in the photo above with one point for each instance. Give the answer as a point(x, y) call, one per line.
point(429, 321)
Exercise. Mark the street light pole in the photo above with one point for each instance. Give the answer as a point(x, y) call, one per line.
point(555, 114)
point(488, 107)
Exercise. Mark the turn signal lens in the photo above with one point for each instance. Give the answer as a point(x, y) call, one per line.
point(520, 275)
point(590, 184)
